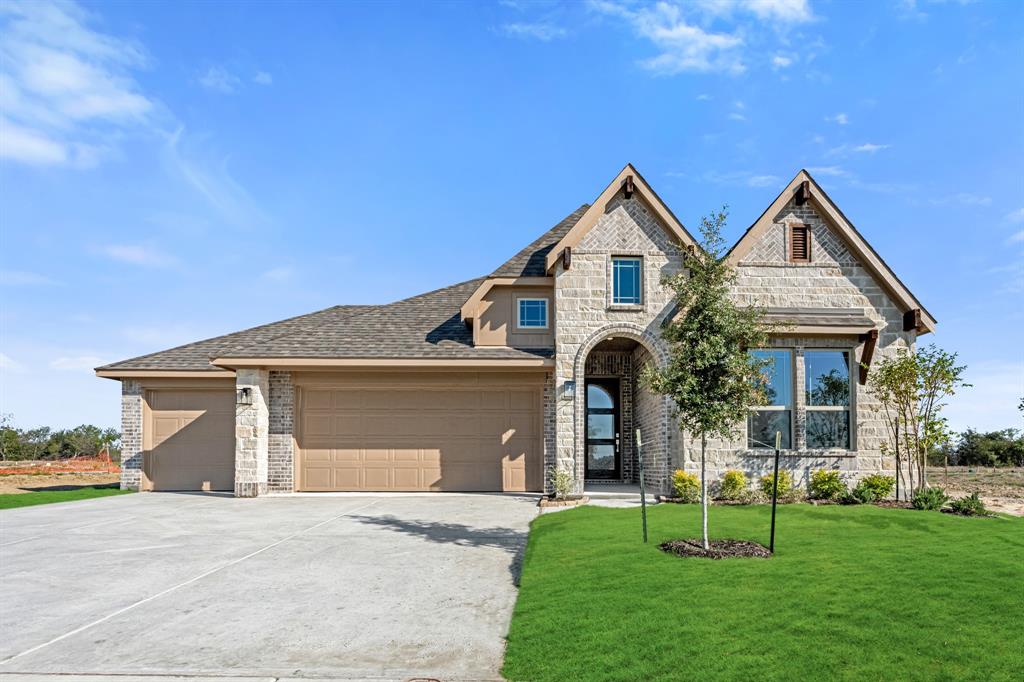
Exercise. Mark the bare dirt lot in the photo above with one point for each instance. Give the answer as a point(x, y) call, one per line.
point(1001, 489)
point(67, 474)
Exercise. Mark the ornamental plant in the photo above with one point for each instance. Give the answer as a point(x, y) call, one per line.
point(686, 486)
point(733, 486)
point(880, 486)
point(971, 505)
point(785, 485)
point(709, 376)
point(826, 484)
point(561, 481)
point(929, 499)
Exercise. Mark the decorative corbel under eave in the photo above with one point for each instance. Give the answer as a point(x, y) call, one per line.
point(869, 339)
point(912, 320)
point(566, 257)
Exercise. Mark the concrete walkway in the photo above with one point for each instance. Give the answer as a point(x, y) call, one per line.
point(343, 587)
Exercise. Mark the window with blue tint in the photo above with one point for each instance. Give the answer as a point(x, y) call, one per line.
point(533, 313)
point(777, 416)
point(827, 393)
point(626, 281)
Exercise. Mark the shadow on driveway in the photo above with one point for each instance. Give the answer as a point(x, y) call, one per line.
point(511, 541)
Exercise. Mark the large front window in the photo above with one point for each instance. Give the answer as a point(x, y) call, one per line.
point(626, 288)
point(777, 415)
point(827, 394)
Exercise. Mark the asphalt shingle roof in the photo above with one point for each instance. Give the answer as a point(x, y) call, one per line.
point(195, 357)
point(530, 261)
point(424, 326)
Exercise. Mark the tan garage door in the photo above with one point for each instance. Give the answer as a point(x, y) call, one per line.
point(190, 439)
point(420, 432)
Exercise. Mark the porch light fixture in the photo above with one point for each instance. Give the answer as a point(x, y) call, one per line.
point(568, 390)
point(244, 396)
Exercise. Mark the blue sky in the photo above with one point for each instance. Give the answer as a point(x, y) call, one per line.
point(173, 171)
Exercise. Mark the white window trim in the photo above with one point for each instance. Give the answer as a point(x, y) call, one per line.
point(547, 314)
point(850, 409)
point(611, 282)
point(777, 408)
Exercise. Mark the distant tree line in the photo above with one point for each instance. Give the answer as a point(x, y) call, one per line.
point(991, 449)
point(46, 443)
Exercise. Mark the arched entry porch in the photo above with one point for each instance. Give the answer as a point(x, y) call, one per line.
point(612, 403)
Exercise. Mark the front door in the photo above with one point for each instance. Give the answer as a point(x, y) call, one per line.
point(602, 429)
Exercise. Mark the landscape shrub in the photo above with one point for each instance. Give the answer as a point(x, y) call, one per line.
point(687, 486)
point(733, 486)
point(785, 485)
point(929, 499)
point(826, 484)
point(971, 505)
point(860, 494)
point(880, 486)
point(561, 481)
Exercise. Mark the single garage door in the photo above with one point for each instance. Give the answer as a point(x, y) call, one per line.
point(420, 432)
point(190, 439)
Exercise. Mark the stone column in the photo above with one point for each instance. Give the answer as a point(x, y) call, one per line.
point(252, 433)
point(131, 434)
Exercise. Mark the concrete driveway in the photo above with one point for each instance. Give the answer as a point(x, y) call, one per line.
point(350, 587)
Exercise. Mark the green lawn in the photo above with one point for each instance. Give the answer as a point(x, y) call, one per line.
point(853, 593)
point(47, 496)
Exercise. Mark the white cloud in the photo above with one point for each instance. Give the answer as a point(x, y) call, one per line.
point(1015, 217)
point(281, 273)
point(833, 171)
point(22, 278)
point(736, 116)
point(840, 118)
point(781, 61)
point(870, 148)
point(161, 336)
point(1016, 237)
point(219, 79)
point(137, 254)
point(763, 180)
point(703, 97)
point(962, 198)
point(263, 78)
point(778, 11)
point(76, 363)
point(65, 89)
point(537, 31)
point(8, 363)
point(818, 139)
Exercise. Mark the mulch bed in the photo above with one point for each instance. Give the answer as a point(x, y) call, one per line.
point(894, 504)
point(719, 549)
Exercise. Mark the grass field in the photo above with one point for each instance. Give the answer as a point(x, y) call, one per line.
point(853, 593)
point(12, 500)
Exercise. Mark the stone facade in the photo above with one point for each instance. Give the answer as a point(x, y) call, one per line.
point(832, 279)
point(280, 456)
point(132, 395)
point(585, 314)
point(252, 433)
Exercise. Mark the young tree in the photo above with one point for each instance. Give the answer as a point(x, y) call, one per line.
point(710, 377)
point(912, 388)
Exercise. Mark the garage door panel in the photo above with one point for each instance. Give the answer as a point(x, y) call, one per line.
point(455, 436)
point(190, 438)
point(319, 399)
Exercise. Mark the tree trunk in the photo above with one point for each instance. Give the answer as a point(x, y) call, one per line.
point(704, 491)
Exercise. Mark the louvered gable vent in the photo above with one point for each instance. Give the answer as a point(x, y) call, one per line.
point(799, 243)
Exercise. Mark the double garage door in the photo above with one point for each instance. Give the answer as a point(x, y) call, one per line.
point(419, 432)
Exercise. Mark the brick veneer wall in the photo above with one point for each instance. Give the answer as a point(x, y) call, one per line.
point(280, 456)
point(131, 434)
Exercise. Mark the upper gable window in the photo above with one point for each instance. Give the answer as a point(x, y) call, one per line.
point(533, 313)
point(626, 281)
point(799, 243)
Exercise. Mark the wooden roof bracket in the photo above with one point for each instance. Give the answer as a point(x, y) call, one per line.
point(803, 193)
point(912, 320)
point(627, 187)
point(869, 339)
point(566, 257)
